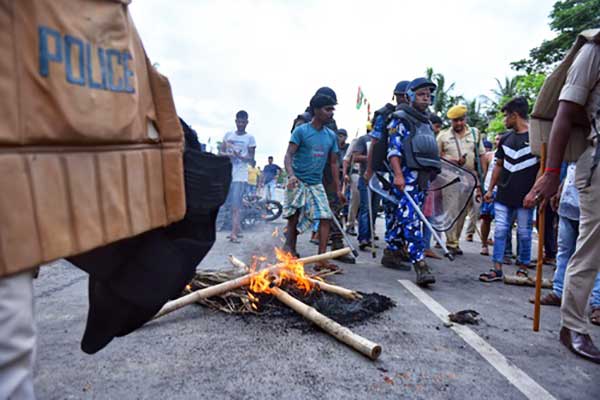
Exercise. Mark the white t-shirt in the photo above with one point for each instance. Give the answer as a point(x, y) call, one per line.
point(237, 146)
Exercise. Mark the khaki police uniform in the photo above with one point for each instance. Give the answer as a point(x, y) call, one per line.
point(583, 87)
point(453, 146)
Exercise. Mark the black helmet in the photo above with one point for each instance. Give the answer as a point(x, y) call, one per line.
point(417, 84)
point(401, 87)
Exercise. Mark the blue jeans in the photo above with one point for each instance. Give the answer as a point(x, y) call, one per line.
point(364, 227)
point(270, 190)
point(504, 217)
point(568, 230)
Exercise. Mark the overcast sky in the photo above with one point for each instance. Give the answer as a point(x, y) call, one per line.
point(269, 57)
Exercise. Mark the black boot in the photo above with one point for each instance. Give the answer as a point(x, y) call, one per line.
point(346, 258)
point(393, 259)
point(424, 275)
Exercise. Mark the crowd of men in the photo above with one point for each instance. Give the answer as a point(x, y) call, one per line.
point(332, 183)
point(405, 144)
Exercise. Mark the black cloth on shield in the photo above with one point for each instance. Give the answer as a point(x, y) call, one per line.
point(130, 280)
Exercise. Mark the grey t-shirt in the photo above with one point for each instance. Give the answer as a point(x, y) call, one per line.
point(362, 147)
point(237, 146)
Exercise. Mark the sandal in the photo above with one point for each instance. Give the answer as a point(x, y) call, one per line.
point(484, 251)
point(522, 273)
point(493, 275)
point(234, 240)
point(327, 266)
point(595, 316)
point(549, 299)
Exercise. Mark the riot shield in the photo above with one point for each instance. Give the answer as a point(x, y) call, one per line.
point(448, 195)
point(446, 198)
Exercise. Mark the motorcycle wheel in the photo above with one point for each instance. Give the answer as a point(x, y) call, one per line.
point(271, 210)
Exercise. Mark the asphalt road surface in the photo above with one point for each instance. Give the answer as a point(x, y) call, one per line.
point(197, 353)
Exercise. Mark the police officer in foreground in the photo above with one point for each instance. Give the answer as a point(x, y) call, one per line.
point(414, 159)
point(578, 107)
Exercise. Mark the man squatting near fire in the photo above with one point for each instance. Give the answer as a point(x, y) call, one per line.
point(312, 146)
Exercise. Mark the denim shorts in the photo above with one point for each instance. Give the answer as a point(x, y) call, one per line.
point(236, 191)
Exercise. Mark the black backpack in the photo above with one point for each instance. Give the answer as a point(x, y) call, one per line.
point(380, 148)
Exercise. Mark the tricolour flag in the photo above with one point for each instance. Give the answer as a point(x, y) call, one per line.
point(359, 98)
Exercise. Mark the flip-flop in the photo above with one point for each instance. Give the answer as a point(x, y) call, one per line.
point(235, 240)
point(491, 276)
point(484, 251)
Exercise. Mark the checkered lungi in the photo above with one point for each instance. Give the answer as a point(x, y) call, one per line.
point(310, 201)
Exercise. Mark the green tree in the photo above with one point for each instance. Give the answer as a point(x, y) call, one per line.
point(443, 97)
point(508, 89)
point(477, 114)
point(568, 19)
point(526, 85)
point(529, 85)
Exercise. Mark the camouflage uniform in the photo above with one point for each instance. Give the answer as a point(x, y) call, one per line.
point(405, 225)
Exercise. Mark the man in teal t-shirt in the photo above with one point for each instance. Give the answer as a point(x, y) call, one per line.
point(311, 147)
point(313, 151)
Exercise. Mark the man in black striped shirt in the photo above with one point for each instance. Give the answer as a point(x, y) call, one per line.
point(515, 173)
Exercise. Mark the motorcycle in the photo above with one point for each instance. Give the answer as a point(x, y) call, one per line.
point(254, 210)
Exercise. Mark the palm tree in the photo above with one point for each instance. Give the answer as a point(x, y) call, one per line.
point(443, 99)
point(508, 90)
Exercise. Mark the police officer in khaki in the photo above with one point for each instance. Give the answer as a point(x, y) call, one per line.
point(578, 106)
point(462, 145)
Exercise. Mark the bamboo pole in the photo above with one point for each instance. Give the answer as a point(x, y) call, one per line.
point(341, 333)
point(324, 286)
point(525, 281)
point(228, 286)
point(541, 222)
point(339, 290)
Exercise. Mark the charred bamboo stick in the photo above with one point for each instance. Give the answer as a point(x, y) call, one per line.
point(335, 289)
point(228, 286)
point(525, 281)
point(341, 333)
point(324, 286)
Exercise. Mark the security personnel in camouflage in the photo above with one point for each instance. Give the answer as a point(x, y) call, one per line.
point(377, 154)
point(413, 156)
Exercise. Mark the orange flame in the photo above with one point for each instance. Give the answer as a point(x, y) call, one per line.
point(291, 270)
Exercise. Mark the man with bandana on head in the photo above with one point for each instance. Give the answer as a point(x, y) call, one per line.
point(312, 146)
point(410, 128)
point(335, 203)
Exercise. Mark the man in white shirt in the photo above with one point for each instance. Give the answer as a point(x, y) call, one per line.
point(240, 146)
